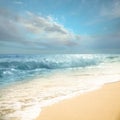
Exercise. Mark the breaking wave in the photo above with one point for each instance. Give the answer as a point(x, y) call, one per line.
point(17, 67)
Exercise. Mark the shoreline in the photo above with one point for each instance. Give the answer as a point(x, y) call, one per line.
point(100, 104)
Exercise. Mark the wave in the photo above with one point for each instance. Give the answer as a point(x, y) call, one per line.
point(49, 62)
point(20, 100)
point(18, 67)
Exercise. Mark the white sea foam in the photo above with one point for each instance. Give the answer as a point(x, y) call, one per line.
point(25, 100)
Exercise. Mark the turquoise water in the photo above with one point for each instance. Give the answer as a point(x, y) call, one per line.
point(30, 82)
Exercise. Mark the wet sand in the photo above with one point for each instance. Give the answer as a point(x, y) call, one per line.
point(101, 104)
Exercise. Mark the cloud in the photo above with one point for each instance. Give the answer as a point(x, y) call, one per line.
point(45, 28)
point(108, 10)
point(18, 2)
point(9, 27)
point(101, 42)
point(112, 10)
point(35, 31)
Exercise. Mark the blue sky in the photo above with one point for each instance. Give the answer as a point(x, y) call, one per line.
point(59, 26)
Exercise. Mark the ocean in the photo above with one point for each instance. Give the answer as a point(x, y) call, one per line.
point(30, 82)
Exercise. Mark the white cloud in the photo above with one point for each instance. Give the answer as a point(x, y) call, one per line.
point(45, 28)
point(35, 32)
point(18, 2)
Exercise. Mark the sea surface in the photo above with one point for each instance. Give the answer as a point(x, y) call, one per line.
point(30, 82)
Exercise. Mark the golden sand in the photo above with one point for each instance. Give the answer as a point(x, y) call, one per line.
point(101, 104)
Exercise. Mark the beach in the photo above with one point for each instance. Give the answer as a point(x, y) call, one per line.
point(101, 104)
point(59, 59)
point(59, 87)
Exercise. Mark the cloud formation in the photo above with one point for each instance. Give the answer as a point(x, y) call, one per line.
point(101, 43)
point(29, 32)
point(18, 2)
point(9, 27)
point(112, 10)
point(37, 31)
point(45, 28)
point(107, 11)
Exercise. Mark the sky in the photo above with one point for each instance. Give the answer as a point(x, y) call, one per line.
point(59, 26)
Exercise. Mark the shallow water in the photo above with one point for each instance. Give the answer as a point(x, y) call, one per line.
point(30, 82)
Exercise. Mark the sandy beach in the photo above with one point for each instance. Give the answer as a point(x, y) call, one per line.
point(101, 104)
